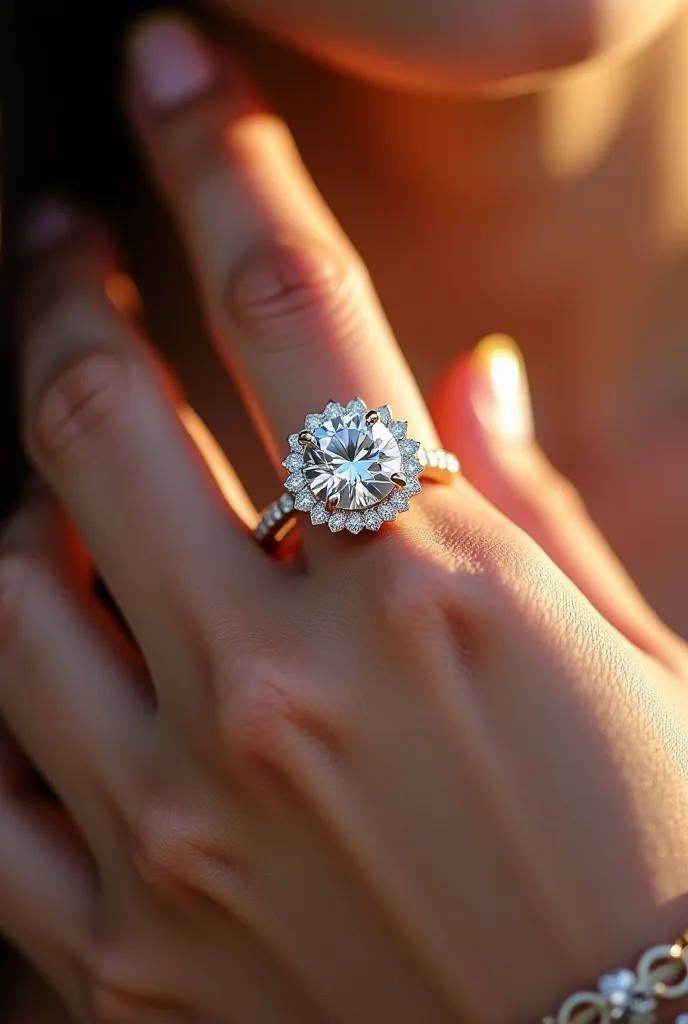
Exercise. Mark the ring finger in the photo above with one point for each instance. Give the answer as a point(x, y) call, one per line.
point(288, 300)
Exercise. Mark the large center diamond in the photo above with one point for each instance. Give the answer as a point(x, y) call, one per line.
point(352, 460)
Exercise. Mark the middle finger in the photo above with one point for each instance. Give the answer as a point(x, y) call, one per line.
point(104, 431)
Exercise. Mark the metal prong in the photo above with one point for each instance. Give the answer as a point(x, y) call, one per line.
point(371, 417)
point(306, 439)
point(332, 503)
point(398, 480)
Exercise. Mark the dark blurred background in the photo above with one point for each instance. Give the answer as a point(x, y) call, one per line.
point(63, 134)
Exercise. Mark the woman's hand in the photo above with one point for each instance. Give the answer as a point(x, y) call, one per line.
point(422, 780)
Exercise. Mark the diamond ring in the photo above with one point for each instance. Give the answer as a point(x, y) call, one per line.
point(351, 468)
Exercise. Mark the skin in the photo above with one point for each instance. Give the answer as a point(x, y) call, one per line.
point(559, 216)
point(545, 701)
point(456, 45)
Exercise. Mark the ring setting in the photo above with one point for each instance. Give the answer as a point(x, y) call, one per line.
point(351, 468)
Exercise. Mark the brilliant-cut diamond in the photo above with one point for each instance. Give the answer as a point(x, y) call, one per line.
point(352, 461)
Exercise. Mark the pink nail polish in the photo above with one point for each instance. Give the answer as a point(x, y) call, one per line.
point(171, 62)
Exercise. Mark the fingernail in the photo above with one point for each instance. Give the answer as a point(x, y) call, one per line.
point(499, 388)
point(48, 226)
point(171, 62)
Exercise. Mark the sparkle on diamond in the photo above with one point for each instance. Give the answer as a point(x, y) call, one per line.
point(352, 460)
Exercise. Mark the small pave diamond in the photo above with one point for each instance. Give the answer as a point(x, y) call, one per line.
point(304, 500)
point(293, 461)
point(385, 414)
point(413, 487)
point(352, 461)
point(354, 522)
point(409, 447)
point(319, 515)
point(332, 409)
point(412, 467)
point(399, 428)
point(295, 481)
point(287, 503)
point(386, 511)
point(337, 521)
point(356, 405)
point(400, 501)
point(372, 520)
point(313, 421)
point(294, 443)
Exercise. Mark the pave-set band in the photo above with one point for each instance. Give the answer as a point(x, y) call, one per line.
point(352, 468)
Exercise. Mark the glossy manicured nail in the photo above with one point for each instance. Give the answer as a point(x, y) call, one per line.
point(499, 388)
point(171, 62)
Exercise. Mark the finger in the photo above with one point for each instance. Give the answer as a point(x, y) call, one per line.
point(47, 891)
point(483, 408)
point(69, 681)
point(47, 879)
point(103, 430)
point(288, 300)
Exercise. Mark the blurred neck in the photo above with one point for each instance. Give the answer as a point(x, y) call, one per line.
point(559, 217)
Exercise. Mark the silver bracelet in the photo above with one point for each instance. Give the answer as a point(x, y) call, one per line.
point(632, 997)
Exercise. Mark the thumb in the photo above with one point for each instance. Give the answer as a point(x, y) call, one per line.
point(482, 411)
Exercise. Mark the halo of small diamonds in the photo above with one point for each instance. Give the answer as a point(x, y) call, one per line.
point(355, 456)
point(351, 468)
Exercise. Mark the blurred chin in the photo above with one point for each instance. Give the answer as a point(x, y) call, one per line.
point(456, 45)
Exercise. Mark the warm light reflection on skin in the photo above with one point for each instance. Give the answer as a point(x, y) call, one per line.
point(458, 47)
point(504, 406)
point(123, 294)
point(225, 477)
point(583, 114)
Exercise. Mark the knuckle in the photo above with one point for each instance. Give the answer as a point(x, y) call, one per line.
point(292, 291)
point(78, 413)
point(488, 580)
point(274, 723)
point(176, 851)
point(165, 848)
point(118, 994)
